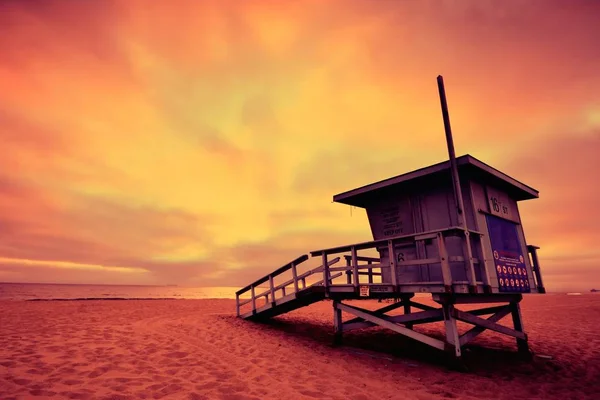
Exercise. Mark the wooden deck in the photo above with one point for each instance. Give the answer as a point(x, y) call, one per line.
point(358, 280)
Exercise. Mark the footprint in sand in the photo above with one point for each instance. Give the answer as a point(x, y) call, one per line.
point(98, 371)
point(207, 385)
point(177, 354)
point(22, 382)
point(40, 392)
point(75, 395)
point(72, 382)
point(8, 364)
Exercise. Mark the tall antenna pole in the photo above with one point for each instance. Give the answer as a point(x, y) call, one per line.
point(462, 220)
point(453, 166)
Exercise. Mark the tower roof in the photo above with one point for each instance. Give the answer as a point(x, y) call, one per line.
point(468, 166)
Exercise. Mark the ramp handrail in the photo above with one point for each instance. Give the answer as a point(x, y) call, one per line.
point(272, 288)
point(301, 277)
point(278, 271)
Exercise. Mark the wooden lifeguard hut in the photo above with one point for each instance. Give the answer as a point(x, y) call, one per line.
point(451, 229)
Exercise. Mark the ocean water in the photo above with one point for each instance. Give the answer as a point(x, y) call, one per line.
point(42, 291)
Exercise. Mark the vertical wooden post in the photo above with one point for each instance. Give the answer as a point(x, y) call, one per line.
point(452, 337)
point(354, 267)
point(485, 274)
point(348, 272)
point(303, 283)
point(253, 298)
point(536, 268)
point(406, 304)
point(370, 272)
point(337, 324)
point(325, 273)
point(237, 304)
point(462, 220)
point(469, 264)
point(283, 291)
point(295, 276)
point(392, 258)
point(445, 264)
point(272, 287)
point(515, 310)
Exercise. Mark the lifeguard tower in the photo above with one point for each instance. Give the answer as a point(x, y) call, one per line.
point(452, 229)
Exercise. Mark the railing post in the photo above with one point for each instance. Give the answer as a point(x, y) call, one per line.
point(325, 272)
point(237, 304)
point(348, 272)
point(272, 287)
point(370, 273)
point(536, 268)
point(253, 298)
point(445, 264)
point(303, 283)
point(295, 276)
point(283, 291)
point(392, 258)
point(469, 265)
point(354, 266)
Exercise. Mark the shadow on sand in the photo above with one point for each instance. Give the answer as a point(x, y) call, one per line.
point(480, 358)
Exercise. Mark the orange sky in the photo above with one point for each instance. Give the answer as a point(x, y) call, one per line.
point(200, 143)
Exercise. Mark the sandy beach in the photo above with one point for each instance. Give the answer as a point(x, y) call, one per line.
point(198, 349)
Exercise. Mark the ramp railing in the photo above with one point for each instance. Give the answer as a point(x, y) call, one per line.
point(298, 282)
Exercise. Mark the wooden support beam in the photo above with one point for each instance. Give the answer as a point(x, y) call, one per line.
point(407, 312)
point(522, 345)
point(487, 310)
point(422, 317)
point(487, 324)
point(475, 331)
point(378, 312)
point(237, 304)
point(438, 344)
point(422, 306)
point(337, 324)
point(452, 337)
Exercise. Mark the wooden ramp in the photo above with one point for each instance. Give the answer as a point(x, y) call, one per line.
point(290, 295)
point(286, 304)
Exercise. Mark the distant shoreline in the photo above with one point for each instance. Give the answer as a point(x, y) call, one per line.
point(125, 298)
